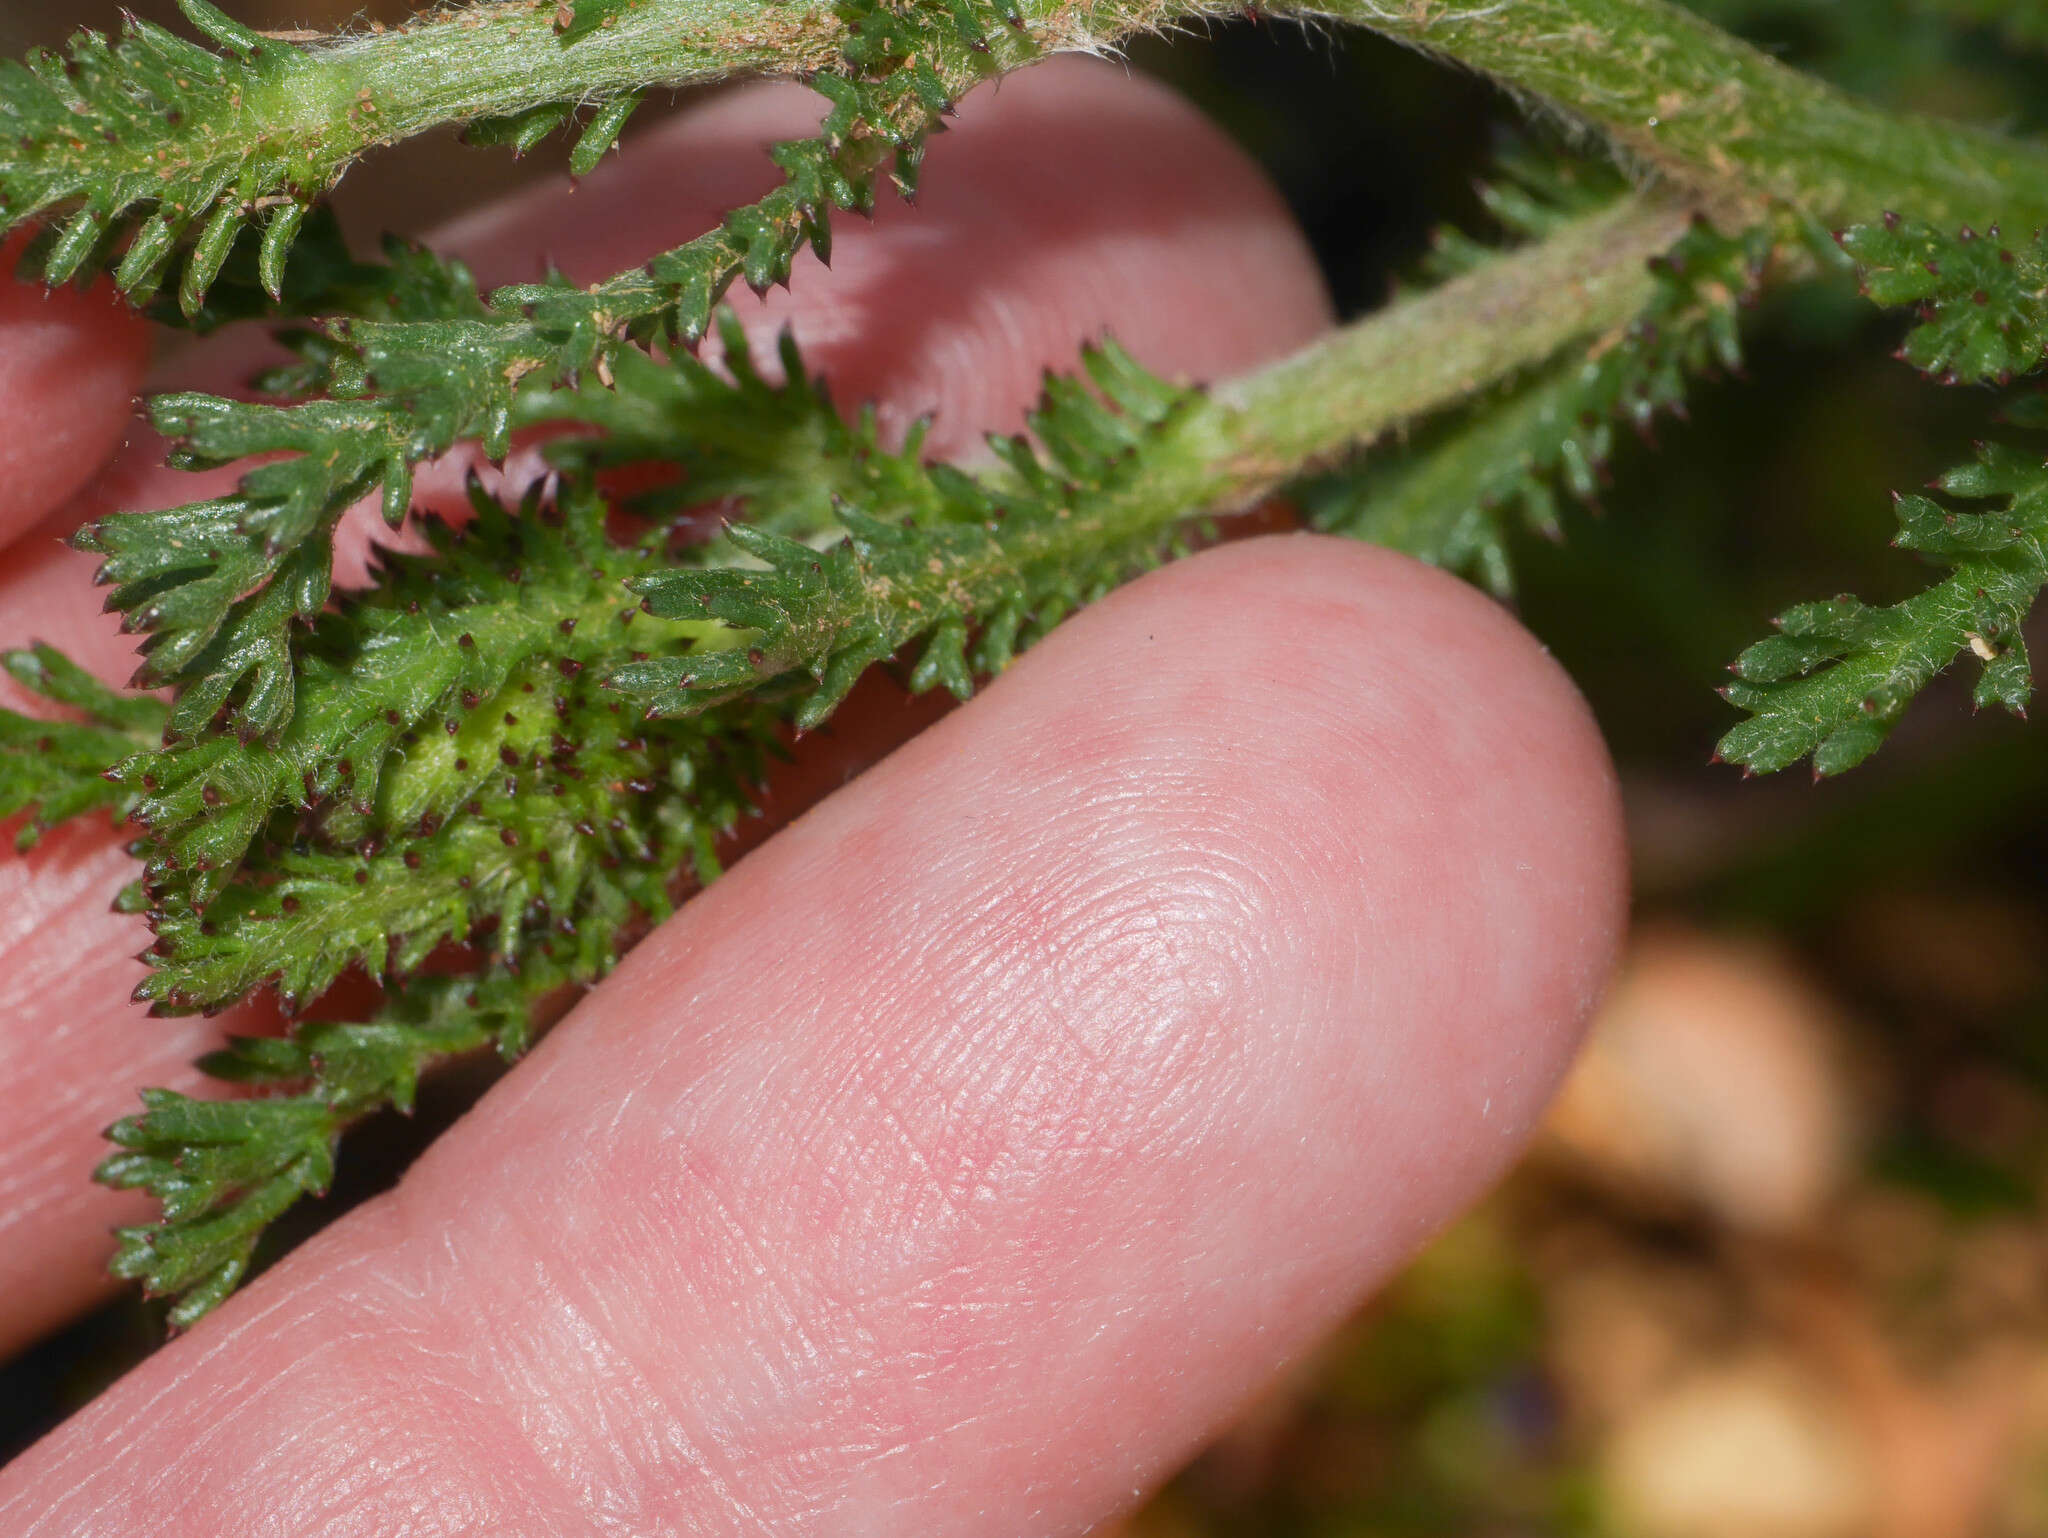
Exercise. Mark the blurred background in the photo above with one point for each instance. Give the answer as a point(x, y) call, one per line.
point(1778, 1267)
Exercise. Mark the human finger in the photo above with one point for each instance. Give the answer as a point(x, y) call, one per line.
point(971, 1152)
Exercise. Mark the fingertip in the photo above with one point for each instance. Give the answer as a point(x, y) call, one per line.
point(1413, 768)
point(1460, 759)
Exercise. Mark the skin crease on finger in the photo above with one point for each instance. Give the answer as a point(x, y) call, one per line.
point(960, 1162)
point(1134, 215)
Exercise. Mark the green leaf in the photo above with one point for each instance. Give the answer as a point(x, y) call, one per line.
point(225, 1170)
point(208, 580)
point(1838, 676)
point(1982, 299)
point(151, 132)
point(602, 134)
point(930, 554)
point(1447, 495)
point(683, 434)
point(57, 770)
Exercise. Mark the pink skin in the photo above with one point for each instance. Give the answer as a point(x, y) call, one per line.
point(967, 1155)
point(73, 364)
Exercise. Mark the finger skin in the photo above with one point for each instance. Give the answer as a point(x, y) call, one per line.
point(72, 1057)
point(70, 365)
point(969, 1154)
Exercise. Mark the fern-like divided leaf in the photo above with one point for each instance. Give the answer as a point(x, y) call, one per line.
point(219, 585)
point(454, 763)
point(680, 436)
point(1840, 673)
point(225, 1170)
point(144, 143)
point(223, 1173)
point(971, 568)
point(57, 770)
point(1982, 300)
point(528, 742)
point(406, 688)
point(545, 831)
point(157, 159)
point(1446, 496)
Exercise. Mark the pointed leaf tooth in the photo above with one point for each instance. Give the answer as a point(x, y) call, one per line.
point(148, 254)
point(279, 234)
point(777, 550)
point(602, 133)
point(208, 255)
point(998, 642)
point(2007, 679)
point(842, 672)
point(1848, 746)
point(73, 247)
point(520, 131)
point(397, 493)
point(222, 28)
point(945, 661)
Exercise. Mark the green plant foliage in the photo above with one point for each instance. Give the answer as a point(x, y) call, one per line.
point(55, 770)
point(971, 569)
point(1837, 677)
point(151, 131)
point(219, 585)
point(1448, 494)
point(1982, 300)
point(697, 436)
point(479, 783)
point(470, 773)
point(153, 157)
point(1532, 194)
point(225, 1170)
point(425, 694)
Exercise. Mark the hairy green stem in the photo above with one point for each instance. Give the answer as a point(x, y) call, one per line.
point(310, 109)
point(1673, 91)
point(502, 59)
point(1685, 98)
point(1588, 280)
point(1215, 453)
point(1252, 435)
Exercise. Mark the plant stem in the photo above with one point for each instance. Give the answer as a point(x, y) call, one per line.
point(317, 108)
point(1420, 355)
point(1671, 90)
point(501, 59)
point(1102, 496)
point(1681, 96)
